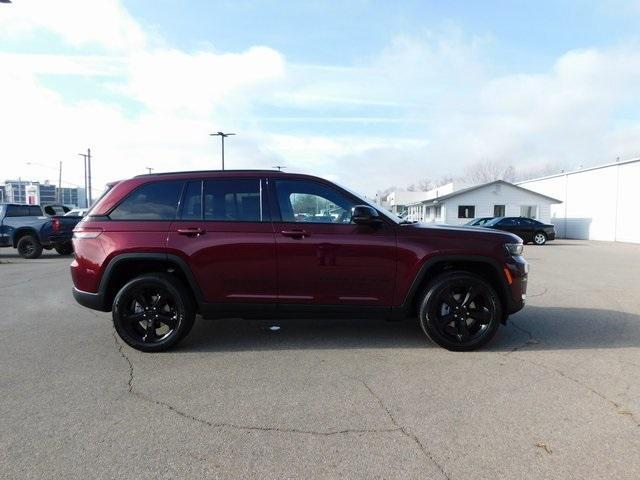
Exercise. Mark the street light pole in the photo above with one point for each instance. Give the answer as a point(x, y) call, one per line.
point(60, 183)
point(222, 137)
point(86, 191)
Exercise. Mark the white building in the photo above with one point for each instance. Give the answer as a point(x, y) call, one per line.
point(599, 203)
point(494, 199)
point(398, 200)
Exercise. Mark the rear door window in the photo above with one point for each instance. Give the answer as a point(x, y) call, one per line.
point(153, 201)
point(192, 202)
point(17, 211)
point(234, 200)
point(35, 211)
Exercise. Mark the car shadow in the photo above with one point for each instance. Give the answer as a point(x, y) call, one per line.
point(535, 328)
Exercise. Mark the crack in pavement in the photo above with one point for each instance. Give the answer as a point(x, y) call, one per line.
point(530, 340)
point(544, 290)
point(202, 421)
point(620, 409)
point(406, 432)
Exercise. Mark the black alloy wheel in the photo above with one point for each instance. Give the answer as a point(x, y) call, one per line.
point(29, 247)
point(460, 311)
point(153, 312)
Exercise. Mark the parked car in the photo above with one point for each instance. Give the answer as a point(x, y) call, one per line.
point(157, 249)
point(26, 228)
point(478, 222)
point(528, 229)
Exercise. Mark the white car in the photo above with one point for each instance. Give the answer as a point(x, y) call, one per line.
point(76, 212)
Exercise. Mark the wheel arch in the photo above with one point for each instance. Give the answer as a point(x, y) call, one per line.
point(23, 232)
point(127, 266)
point(485, 267)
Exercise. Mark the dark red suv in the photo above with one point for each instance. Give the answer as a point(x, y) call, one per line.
point(159, 249)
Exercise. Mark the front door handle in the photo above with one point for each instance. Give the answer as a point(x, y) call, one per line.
point(191, 232)
point(295, 233)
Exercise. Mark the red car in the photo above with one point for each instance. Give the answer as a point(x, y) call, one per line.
point(158, 249)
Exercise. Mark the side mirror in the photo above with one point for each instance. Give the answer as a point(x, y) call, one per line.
point(365, 215)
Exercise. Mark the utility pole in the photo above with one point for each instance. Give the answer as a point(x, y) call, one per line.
point(150, 170)
point(279, 167)
point(222, 137)
point(60, 183)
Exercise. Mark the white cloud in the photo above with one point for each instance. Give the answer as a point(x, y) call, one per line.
point(104, 23)
point(441, 87)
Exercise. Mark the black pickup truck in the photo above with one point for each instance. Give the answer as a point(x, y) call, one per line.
point(29, 229)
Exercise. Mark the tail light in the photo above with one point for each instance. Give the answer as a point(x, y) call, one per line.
point(55, 224)
point(86, 232)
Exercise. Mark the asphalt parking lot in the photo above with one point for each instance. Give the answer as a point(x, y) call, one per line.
point(557, 395)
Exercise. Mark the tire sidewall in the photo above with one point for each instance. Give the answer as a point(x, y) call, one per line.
point(178, 295)
point(37, 248)
point(431, 295)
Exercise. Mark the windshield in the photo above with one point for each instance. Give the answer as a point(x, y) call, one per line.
point(493, 221)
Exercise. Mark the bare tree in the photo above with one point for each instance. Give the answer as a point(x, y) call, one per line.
point(538, 171)
point(488, 171)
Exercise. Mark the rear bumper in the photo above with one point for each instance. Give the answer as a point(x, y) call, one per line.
point(94, 301)
point(59, 239)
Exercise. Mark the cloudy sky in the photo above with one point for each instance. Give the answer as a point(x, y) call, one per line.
point(367, 93)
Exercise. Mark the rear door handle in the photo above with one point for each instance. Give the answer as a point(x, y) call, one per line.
point(191, 232)
point(294, 233)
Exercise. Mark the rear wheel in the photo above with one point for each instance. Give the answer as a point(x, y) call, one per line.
point(540, 238)
point(64, 248)
point(29, 247)
point(460, 311)
point(153, 312)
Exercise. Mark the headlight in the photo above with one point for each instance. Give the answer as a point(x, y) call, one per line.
point(514, 248)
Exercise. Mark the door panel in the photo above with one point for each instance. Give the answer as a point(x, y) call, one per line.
point(336, 264)
point(233, 255)
point(323, 259)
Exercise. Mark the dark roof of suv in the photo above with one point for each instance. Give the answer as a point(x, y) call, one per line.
point(214, 171)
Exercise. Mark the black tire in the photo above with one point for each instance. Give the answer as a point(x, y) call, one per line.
point(64, 249)
point(539, 238)
point(460, 311)
point(29, 247)
point(158, 298)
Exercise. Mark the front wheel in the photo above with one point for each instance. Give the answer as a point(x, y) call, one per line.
point(29, 247)
point(460, 311)
point(153, 312)
point(540, 238)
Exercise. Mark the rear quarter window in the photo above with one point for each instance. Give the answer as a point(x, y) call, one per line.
point(17, 211)
point(152, 201)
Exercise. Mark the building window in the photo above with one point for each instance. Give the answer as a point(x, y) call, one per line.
point(529, 211)
point(438, 211)
point(498, 210)
point(466, 211)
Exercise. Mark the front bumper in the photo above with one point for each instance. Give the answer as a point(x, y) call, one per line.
point(519, 270)
point(94, 301)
